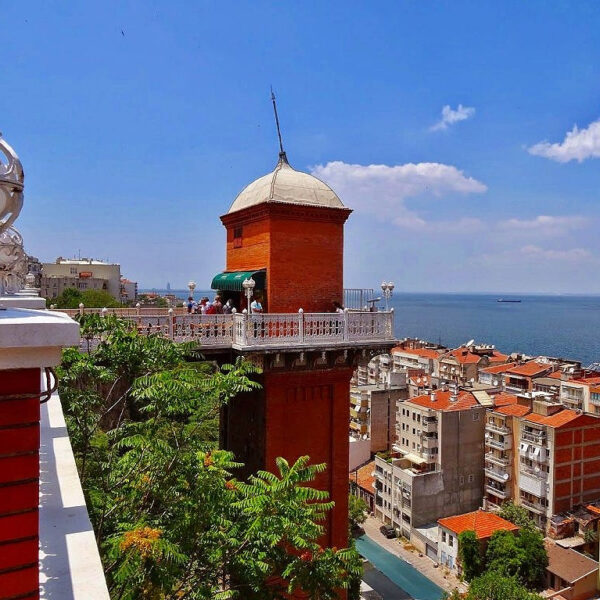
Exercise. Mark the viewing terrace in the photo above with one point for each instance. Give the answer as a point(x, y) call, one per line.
point(258, 332)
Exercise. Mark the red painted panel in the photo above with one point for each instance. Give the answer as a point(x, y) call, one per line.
point(19, 439)
point(20, 582)
point(15, 554)
point(16, 498)
point(17, 468)
point(19, 526)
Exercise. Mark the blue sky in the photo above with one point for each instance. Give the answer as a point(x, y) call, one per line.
point(139, 122)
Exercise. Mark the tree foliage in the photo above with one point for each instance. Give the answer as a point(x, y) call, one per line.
point(72, 298)
point(517, 515)
point(469, 552)
point(492, 586)
point(357, 511)
point(171, 520)
point(522, 556)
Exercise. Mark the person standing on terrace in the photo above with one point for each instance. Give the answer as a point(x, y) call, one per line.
point(256, 306)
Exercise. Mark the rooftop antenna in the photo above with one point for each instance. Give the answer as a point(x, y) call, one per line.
point(281, 150)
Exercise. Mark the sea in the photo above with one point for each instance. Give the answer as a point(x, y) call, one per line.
point(557, 326)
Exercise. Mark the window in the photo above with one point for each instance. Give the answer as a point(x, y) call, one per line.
point(475, 415)
point(237, 237)
point(450, 541)
point(73, 270)
point(471, 478)
point(444, 537)
point(461, 480)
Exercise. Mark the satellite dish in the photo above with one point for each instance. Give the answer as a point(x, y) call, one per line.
point(470, 343)
point(505, 476)
point(364, 436)
point(487, 434)
point(472, 380)
point(537, 469)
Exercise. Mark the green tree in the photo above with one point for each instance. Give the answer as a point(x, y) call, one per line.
point(533, 569)
point(522, 556)
point(72, 298)
point(492, 586)
point(357, 511)
point(470, 554)
point(517, 515)
point(171, 520)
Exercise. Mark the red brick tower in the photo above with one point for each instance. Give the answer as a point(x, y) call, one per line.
point(286, 230)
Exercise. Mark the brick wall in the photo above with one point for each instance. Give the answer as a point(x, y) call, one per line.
point(576, 475)
point(301, 248)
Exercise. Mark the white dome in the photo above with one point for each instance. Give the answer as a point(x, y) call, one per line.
point(286, 185)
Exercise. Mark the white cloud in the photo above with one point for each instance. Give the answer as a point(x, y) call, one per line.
point(382, 189)
point(578, 144)
point(545, 224)
point(532, 254)
point(450, 116)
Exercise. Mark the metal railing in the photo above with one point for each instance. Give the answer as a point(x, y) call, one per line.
point(357, 298)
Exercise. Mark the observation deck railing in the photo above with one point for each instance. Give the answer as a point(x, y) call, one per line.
point(243, 331)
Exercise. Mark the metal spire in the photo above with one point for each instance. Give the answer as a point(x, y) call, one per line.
point(282, 154)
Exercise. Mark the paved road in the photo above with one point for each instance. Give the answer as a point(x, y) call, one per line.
point(422, 564)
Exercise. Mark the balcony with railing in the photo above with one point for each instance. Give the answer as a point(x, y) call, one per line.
point(499, 444)
point(536, 507)
point(429, 425)
point(277, 331)
point(497, 490)
point(494, 427)
point(496, 473)
point(503, 461)
point(534, 436)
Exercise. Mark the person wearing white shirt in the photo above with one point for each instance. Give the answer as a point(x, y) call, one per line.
point(256, 306)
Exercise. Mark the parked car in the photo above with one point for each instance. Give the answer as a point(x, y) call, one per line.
point(388, 531)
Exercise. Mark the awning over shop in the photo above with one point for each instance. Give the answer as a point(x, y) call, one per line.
point(232, 281)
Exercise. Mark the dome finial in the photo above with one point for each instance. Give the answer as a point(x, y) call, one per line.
point(282, 155)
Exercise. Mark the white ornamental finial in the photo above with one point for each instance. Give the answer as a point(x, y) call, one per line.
point(11, 185)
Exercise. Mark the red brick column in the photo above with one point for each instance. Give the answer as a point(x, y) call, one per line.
point(19, 484)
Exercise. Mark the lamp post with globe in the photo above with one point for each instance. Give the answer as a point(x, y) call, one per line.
point(248, 285)
point(192, 287)
point(387, 288)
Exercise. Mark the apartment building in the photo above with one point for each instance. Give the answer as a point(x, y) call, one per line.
point(520, 378)
point(420, 358)
point(82, 274)
point(542, 456)
point(576, 393)
point(494, 375)
point(462, 364)
point(373, 411)
point(436, 469)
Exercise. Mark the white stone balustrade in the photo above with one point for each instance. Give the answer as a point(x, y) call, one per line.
point(243, 331)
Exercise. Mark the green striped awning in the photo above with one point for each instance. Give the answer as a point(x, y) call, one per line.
point(232, 281)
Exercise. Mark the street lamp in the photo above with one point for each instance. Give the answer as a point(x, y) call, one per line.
point(248, 285)
point(192, 287)
point(387, 288)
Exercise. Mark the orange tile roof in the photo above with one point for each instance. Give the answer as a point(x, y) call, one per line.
point(363, 477)
point(595, 390)
point(442, 401)
point(499, 368)
point(555, 375)
point(421, 380)
point(529, 368)
point(498, 357)
point(422, 352)
point(586, 380)
point(593, 509)
point(481, 522)
point(513, 410)
point(558, 419)
point(503, 399)
point(462, 355)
